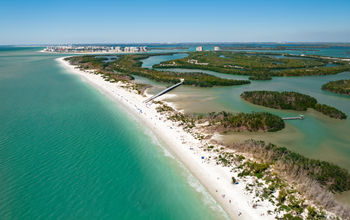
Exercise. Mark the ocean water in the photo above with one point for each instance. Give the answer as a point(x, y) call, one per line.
point(68, 152)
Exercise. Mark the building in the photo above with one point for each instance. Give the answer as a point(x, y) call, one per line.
point(216, 48)
point(94, 49)
point(118, 50)
point(200, 48)
point(143, 49)
point(133, 49)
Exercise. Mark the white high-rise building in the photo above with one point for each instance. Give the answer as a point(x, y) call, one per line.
point(118, 50)
point(200, 48)
point(133, 49)
point(216, 48)
point(143, 49)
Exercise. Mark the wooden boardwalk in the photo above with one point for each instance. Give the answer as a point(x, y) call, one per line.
point(300, 117)
point(164, 91)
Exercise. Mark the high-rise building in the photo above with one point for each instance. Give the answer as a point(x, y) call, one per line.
point(200, 48)
point(118, 50)
point(216, 48)
point(143, 49)
point(133, 49)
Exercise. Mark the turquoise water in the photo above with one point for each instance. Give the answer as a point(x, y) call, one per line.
point(68, 152)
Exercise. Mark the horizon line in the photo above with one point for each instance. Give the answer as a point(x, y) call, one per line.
point(189, 42)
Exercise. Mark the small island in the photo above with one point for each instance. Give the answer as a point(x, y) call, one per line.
point(291, 101)
point(339, 86)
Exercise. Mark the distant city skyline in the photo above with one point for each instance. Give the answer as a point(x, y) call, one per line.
point(154, 21)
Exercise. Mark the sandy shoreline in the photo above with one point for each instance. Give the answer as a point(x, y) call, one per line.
point(233, 198)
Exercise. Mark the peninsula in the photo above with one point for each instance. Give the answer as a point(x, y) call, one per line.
point(339, 86)
point(128, 65)
point(253, 180)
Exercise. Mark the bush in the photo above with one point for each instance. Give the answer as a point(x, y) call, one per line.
point(234, 180)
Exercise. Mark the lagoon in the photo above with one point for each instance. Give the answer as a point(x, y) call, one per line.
point(317, 136)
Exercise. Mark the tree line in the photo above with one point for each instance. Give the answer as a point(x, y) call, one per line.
point(290, 100)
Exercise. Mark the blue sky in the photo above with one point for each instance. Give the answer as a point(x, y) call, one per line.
point(44, 21)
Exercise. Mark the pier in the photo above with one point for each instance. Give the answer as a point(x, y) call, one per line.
point(300, 117)
point(164, 91)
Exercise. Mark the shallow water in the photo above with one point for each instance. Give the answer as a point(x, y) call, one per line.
point(322, 137)
point(317, 136)
point(149, 62)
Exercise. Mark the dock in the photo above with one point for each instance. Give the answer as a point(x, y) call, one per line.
point(164, 91)
point(300, 117)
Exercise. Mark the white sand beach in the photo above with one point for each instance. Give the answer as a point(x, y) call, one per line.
point(217, 179)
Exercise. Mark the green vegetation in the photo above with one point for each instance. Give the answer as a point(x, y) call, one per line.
point(254, 169)
point(140, 88)
point(128, 65)
point(255, 64)
point(330, 111)
point(249, 47)
point(164, 108)
point(315, 180)
point(328, 175)
point(339, 86)
point(265, 183)
point(287, 47)
point(256, 121)
point(290, 100)
point(97, 63)
point(131, 65)
point(227, 122)
point(277, 100)
point(234, 180)
point(277, 174)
